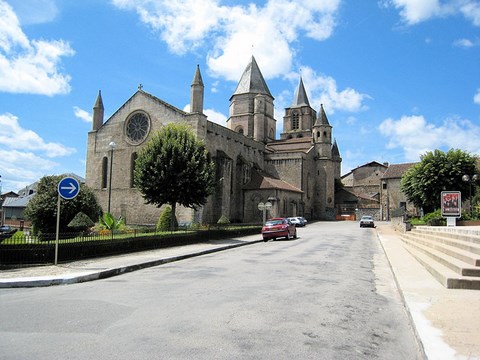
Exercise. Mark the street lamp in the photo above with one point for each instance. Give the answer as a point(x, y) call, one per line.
point(112, 147)
point(470, 179)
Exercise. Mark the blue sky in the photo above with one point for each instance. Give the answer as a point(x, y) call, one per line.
point(397, 77)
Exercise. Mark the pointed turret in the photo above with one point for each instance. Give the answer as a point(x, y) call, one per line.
point(196, 93)
point(322, 117)
point(300, 98)
point(98, 110)
point(335, 151)
point(337, 160)
point(322, 134)
point(252, 81)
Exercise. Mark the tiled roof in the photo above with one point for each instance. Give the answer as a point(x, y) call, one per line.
point(301, 144)
point(395, 171)
point(262, 182)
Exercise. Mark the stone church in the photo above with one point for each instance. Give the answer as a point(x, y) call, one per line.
point(295, 173)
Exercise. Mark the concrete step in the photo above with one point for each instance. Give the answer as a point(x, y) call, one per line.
point(443, 274)
point(467, 252)
point(468, 235)
point(460, 267)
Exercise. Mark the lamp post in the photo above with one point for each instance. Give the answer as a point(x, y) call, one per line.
point(112, 147)
point(470, 180)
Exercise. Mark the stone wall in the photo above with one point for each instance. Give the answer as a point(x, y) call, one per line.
point(400, 225)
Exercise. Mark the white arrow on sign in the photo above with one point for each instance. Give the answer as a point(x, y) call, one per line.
point(72, 187)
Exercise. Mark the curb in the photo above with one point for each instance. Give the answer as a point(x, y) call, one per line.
point(75, 279)
point(404, 301)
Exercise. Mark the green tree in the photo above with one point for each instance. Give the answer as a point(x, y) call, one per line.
point(42, 208)
point(174, 168)
point(437, 171)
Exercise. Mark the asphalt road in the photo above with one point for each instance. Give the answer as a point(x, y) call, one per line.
point(327, 295)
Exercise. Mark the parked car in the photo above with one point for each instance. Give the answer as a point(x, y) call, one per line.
point(277, 228)
point(303, 219)
point(367, 221)
point(297, 221)
point(6, 232)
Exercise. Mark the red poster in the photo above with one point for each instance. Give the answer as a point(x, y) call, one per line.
point(451, 203)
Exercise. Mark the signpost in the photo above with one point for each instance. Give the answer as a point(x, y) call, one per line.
point(68, 189)
point(264, 207)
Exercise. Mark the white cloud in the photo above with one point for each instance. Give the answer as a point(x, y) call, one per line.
point(29, 66)
point(416, 136)
point(216, 117)
point(15, 175)
point(82, 114)
point(35, 11)
point(471, 10)
point(476, 97)
point(416, 11)
point(212, 115)
point(464, 43)
point(13, 136)
point(323, 89)
point(234, 33)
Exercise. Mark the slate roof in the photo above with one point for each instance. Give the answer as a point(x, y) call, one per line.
point(321, 117)
point(252, 81)
point(300, 98)
point(18, 202)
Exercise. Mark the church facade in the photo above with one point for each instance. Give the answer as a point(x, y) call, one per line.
point(295, 173)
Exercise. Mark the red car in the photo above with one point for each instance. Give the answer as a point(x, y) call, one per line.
point(277, 228)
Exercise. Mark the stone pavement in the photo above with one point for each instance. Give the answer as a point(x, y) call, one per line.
point(446, 321)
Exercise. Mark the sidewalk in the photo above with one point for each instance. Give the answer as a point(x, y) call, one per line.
point(100, 268)
point(446, 321)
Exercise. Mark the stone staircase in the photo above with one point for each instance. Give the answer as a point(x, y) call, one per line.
point(450, 254)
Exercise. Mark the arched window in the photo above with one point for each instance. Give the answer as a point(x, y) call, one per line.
point(239, 129)
point(133, 158)
point(271, 134)
point(295, 121)
point(104, 172)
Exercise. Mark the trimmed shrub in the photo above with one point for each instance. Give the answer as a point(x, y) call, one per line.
point(165, 220)
point(223, 220)
point(81, 222)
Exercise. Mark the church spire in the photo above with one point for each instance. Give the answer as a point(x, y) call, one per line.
point(252, 81)
point(300, 98)
point(322, 117)
point(196, 93)
point(98, 111)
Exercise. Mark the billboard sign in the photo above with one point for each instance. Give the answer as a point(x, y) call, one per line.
point(451, 203)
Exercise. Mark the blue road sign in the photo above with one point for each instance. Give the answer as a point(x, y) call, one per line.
point(68, 188)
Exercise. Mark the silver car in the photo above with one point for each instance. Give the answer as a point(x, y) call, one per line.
point(367, 221)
